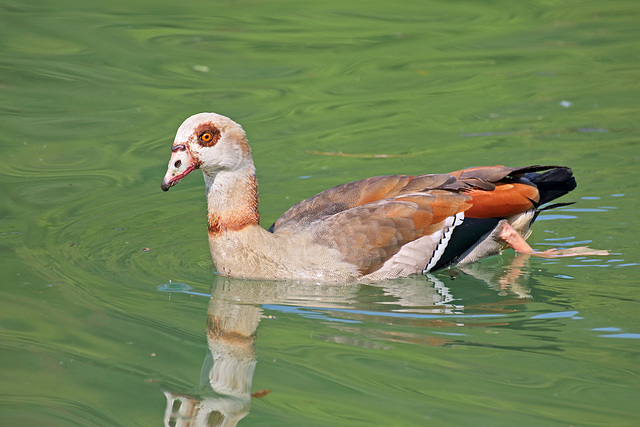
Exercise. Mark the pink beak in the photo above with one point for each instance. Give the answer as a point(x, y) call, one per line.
point(180, 165)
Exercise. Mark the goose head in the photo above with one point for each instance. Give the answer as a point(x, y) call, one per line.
point(210, 142)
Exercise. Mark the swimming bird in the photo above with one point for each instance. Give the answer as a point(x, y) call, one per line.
point(373, 229)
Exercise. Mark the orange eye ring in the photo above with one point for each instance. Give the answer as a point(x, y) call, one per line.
point(206, 137)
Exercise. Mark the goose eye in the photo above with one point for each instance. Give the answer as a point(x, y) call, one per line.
point(206, 137)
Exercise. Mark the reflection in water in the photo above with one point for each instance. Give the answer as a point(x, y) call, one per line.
point(232, 320)
point(511, 279)
point(235, 310)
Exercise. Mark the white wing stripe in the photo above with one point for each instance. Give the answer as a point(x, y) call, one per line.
point(451, 223)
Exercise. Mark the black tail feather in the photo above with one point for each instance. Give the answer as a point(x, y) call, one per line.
point(555, 205)
point(552, 184)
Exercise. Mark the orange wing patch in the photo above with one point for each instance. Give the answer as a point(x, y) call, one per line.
point(505, 200)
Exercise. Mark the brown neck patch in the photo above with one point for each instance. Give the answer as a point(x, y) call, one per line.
point(242, 216)
point(219, 224)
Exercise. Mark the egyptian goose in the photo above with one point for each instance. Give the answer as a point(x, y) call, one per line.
point(373, 229)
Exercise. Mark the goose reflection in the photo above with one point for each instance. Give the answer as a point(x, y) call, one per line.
point(236, 308)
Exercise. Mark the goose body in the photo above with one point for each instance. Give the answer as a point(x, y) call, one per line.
point(373, 229)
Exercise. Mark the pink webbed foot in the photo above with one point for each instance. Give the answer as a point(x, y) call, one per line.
point(517, 242)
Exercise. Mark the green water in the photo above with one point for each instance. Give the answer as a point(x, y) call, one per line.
point(106, 281)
